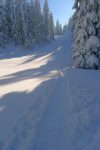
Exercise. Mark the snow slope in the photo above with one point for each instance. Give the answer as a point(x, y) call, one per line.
point(45, 103)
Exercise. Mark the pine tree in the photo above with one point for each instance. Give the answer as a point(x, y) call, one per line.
point(2, 24)
point(46, 20)
point(32, 17)
point(9, 4)
point(22, 27)
point(38, 18)
point(51, 27)
point(86, 46)
point(24, 22)
point(17, 23)
point(28, 26)
point(65, 28)
point(72, 22)
point(42, 29)
point(58, 28)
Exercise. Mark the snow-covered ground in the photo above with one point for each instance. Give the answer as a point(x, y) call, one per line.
point(45, 103)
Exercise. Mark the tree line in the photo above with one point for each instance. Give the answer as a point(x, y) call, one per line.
point(25, 22)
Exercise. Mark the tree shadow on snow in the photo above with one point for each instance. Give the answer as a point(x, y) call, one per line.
point(39, 72)
point(20, 113)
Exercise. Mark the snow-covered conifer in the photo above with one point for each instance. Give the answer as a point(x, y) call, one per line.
point(58, 28)
point(17, 23)
point(51, 27)
point(23, 21)
point(9, 10)
point(38, 18)
point(2, 24)
point(32, 17)
point(46, 20)
point(64, 27)
point(86, 46)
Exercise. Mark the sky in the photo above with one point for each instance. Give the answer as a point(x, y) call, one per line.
point(62, 9)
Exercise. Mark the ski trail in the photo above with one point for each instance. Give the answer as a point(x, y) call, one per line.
point(54, 128)
point(44, 122)
point(24, 132)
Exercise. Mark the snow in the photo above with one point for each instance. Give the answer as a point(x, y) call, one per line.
point(45, 102)
point(85, 100)
point(92, 60)
point(92, 43)
point(86, 43)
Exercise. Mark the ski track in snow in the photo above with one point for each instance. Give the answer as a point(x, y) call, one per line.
point(45, 103)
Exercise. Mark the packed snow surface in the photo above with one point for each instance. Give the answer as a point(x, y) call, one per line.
point(45, 103)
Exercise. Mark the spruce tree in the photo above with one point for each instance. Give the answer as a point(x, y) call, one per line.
point(86, 45)
point(42, 28)
point(37, 21)
point(3, 24)
point(51, 27)
point(28, 26)
point(21, 26)
point(17, 23)
point(32, 17)
point(24, 22)
point(9, 6)
point(60, 29)
point(57, 28)
point(46, 20)
point(64, 28)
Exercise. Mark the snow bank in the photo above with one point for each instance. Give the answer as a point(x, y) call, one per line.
point(85, 109)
